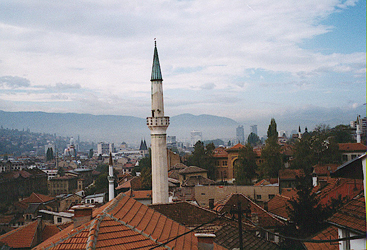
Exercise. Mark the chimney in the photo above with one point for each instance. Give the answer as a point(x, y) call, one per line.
point(255, 218)
point(266, 206)
point(211, 204)
point(205, 241)
point(82, 215)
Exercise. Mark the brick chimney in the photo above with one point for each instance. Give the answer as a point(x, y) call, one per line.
point(205, 241)
point(82, 215)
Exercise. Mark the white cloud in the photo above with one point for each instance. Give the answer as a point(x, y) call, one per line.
point(99, 53)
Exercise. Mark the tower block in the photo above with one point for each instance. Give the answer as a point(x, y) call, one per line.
point(158, 124)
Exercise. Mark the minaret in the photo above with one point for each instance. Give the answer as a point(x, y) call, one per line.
point(110, 178)
point(158, 124)
point(359, 131)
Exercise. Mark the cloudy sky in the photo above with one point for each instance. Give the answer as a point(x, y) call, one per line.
point(248, 60)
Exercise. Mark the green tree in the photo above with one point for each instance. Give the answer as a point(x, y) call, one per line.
point(49, 154)
point(305, 212)
point(272, 130)
point(61, 171)
point(253, 139)
point(245, 166)
point(342, 134)
point(203, 157)
point(317, 147)
point(90, 154)
point(145, 167)
point(271, 155)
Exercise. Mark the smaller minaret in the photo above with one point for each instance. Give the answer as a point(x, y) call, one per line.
point(111, 179)
point(359, 131)
point(299, 132)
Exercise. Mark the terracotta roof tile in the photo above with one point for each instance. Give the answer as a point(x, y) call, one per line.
point(265, 219)
point(228, 237)
point(220, 152)
point(327, 234)
point(352, 147)
point(352, 215)
point(125, 224)
point(22, 237)
point(37, 198)
point(278, 206)
point(192, 169)
point(290, 173)
point(139, 194)
point(235, 147)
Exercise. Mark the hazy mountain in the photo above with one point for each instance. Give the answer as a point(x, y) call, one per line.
point(114, 128)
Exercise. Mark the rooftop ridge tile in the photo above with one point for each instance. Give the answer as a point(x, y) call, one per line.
point(68, 236)
point(93, 231)
point(136, 230)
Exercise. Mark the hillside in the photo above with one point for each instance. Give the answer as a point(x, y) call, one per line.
point(115, 128)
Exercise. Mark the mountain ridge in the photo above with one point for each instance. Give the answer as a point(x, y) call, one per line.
point(115, 128)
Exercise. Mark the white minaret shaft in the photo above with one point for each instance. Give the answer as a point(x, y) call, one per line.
point(111, 187)
point(158, 124)
point(359, 131)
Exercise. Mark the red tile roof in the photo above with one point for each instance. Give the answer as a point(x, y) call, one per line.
point(335, 187)
point(324, 169)
point(352, 147)
point(352, 215)
point(327, 234)
point(235, 147)
point(192, 170)
point(220, 152)
point(278, 206)
point(286, 174)
point(22, 237)
point(37, 198)
point(125, 224)
point(265, 219)
point(140, 194)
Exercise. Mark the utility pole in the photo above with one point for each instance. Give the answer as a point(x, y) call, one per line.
point(238, 211)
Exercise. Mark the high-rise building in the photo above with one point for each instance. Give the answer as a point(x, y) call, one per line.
point(195, 137)
point(105, 148)
point(158, 124)
point(240, 134)
point(253, 129)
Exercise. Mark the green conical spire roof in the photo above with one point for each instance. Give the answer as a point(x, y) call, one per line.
point(156, 69)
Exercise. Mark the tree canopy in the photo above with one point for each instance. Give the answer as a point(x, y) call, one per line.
point(271, 155)
point(317, 147)
point(245, 166)
point(253, 139)
point(203, 157)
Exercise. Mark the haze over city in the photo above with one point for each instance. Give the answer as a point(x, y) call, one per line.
point(245, 60)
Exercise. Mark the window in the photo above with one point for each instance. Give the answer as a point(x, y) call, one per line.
point(59, 219)
point(202, 193)
point(345, 157)
point(271, 196)
point(346, 244)
point(271, 236)
point(224, 163)
point(258, 197)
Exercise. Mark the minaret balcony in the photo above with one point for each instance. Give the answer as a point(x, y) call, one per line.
point(158, 121)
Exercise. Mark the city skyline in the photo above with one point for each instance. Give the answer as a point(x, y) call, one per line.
point(249, 61)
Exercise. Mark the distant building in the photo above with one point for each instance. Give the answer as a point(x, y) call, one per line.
point(71, 149)
point(143, 148)
point(195, 137)
point(63, 185)
point(253, 129)
point(17, 184)
point(240, 134)
point(105, 148)
point(171, 142)
point(351, 151)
